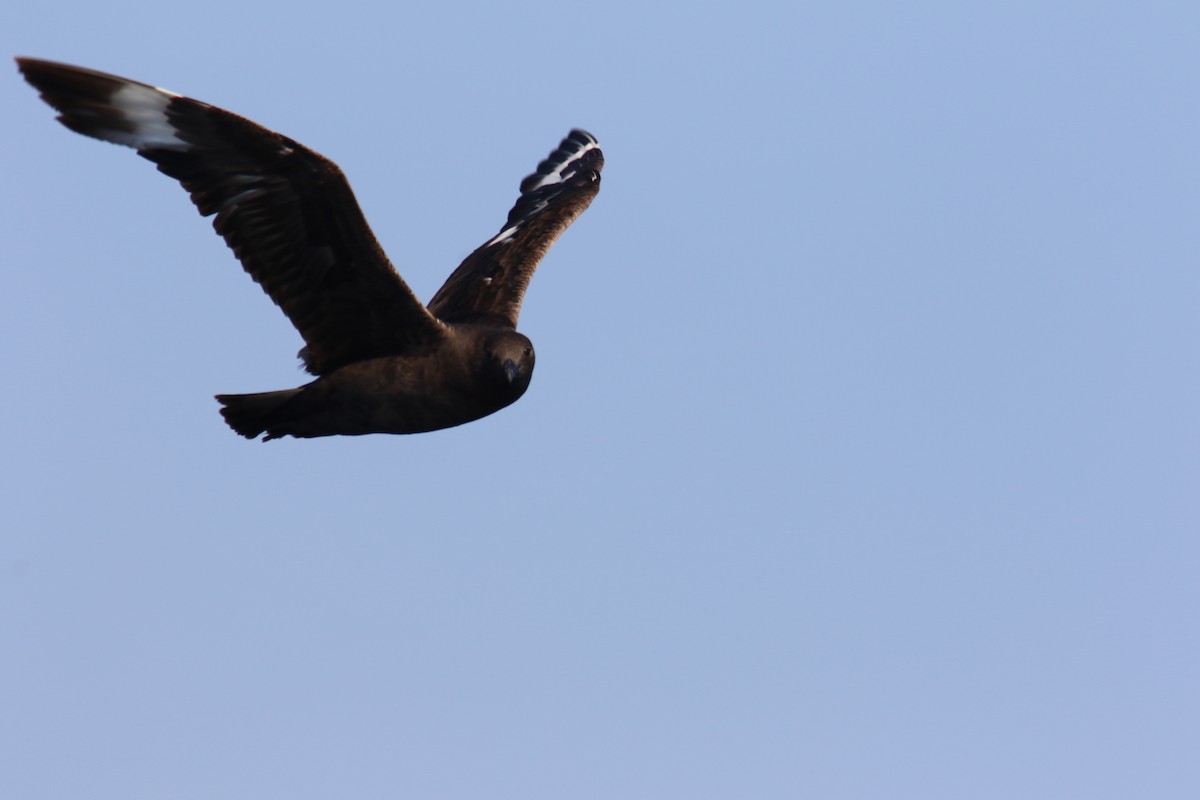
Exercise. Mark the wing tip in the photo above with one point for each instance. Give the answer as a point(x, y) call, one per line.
point(579, 151)
point(105, 106)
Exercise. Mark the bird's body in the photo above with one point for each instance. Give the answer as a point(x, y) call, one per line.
point(384, 362)
point(429, 389)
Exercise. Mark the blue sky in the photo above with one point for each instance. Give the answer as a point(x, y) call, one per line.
point(861, 458)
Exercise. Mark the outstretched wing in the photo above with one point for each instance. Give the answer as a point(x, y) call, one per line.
point(491, 282)
point(288, 213)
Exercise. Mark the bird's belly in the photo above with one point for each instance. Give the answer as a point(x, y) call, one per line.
point(393, 395)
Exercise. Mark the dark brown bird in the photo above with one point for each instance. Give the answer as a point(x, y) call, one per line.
point(385, 363)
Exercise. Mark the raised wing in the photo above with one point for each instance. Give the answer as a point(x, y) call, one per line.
point(288, 213)
point(491, 282)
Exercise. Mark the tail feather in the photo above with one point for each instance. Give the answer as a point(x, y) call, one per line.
point(252, 414)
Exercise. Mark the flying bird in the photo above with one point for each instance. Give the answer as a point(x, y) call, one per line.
point(384, 362)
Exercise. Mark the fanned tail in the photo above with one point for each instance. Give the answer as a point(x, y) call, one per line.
point(252, 414)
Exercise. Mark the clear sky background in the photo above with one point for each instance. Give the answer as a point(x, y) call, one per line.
point(861, 459)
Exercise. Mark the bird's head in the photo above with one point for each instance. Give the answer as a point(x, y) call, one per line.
point(508, 361)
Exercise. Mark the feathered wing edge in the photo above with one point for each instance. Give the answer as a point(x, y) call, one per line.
point(287, 212)
point(491, 282)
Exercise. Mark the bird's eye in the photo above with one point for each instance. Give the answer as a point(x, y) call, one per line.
point(528, 352)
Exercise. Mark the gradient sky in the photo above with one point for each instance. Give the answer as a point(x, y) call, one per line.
point(861, 459)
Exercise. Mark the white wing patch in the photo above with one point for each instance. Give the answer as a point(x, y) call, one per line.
point(144, 108)
point(563, 168)
point(540, 188)
point(504, 235)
